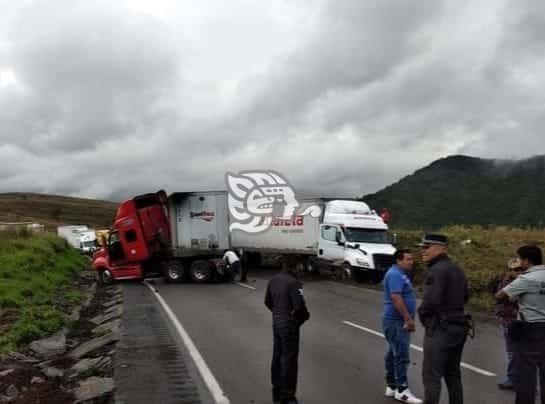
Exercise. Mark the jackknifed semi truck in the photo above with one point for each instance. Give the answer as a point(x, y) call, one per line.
point(183, 236)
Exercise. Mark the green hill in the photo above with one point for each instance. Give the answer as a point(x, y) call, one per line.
point(53, 210)
point(460, 190)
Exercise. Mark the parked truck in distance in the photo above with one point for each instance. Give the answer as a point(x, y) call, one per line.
point(79, 237)
point(183, 236)
point(88, 241)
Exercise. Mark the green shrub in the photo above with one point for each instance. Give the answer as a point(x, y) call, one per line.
point(34, 270)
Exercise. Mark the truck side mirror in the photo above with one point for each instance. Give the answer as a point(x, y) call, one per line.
point(338, 238)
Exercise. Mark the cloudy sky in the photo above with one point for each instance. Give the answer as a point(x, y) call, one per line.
point(341, 96)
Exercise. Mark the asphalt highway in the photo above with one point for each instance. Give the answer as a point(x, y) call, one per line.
point(342, 350)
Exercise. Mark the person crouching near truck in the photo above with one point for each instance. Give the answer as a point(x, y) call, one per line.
point(506, 311)
point(398, 324)
point(231, 259)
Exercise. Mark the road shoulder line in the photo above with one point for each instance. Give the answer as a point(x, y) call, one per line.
point(420, 349)
point(209, 379)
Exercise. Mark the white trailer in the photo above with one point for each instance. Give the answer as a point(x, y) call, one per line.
point(72, 234)
point(347, 235)
point(199, 222)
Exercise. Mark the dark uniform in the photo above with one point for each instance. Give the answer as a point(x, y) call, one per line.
point(285, 300)
point(442, 314)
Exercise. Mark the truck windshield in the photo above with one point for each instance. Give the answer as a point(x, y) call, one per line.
point(89, 244)
point(357, 235)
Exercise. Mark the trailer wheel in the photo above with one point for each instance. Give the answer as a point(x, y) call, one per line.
point(174, 272)
point(201, 271)
point(104, 277)
point(311, 266)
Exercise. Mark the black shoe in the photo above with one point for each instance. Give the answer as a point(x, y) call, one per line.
point(506, 386)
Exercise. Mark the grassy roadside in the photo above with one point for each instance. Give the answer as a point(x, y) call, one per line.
point(37, 275)
point(482, 252)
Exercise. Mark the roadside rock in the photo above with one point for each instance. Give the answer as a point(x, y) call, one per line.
point(93, 345)
point(112, 326)
point(37, 380)
point(12, 392)
point(92, 388)
point(113, 309)
point(85, 365)
point(19, 357)
point(51, 346)
point(6, 372)
point(101, 363)
point(90, 295)
point(107, 317)
point(75, 315)
point(53, 372)
point(112, 302)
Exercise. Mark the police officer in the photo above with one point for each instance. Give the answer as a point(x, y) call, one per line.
point(529, 332)
point(285, 300)
point(442, 314)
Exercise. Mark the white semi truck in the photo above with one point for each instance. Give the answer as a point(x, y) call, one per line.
point(79, 237)
point(348, 235)
point(88, 241)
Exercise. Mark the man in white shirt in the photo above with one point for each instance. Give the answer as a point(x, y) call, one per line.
point(231, 259)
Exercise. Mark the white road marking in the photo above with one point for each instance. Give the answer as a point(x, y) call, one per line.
point(209, 379)
point(243, 285)
point(420, 349)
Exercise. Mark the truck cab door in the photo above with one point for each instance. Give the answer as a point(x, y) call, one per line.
point(115, 249)
point(331, 243)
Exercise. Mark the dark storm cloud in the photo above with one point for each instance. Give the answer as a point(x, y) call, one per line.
point(340, 96)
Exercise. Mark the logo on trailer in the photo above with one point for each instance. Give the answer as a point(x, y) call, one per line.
point(204, 215)
point(260, 199)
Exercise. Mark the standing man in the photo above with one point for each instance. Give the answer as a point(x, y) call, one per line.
point(398, 323)
point(284, 298)
point(529, 335)
point(506, 311)
point(442, 314)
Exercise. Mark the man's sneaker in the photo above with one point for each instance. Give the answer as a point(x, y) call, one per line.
point(407, 397)
point(390, 392)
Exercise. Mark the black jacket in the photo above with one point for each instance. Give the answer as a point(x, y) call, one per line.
point(445, 294)
point(285, 300)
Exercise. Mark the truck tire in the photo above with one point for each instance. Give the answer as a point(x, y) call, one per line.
point(354, 273)
point(173, 271)
point(104, 277)
point(201, 271)
point(311, 266)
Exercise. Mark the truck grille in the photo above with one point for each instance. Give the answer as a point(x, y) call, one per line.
point(383, 261)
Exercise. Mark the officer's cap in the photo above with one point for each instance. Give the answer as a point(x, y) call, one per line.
point(429, 239)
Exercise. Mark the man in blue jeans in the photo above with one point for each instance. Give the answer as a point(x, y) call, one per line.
point(398, 323)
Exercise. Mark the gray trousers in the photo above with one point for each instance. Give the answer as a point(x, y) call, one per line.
point(442, 356)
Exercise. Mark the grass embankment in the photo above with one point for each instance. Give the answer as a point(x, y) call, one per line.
point(484, 259)
point(37, 274)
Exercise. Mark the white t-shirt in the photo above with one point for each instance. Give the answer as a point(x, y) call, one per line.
point(231, 257)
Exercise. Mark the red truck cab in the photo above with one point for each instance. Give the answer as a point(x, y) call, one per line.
point(138, 240)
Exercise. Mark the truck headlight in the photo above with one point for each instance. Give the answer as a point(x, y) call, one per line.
point(362, 262)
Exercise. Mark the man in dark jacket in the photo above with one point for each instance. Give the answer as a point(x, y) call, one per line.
point(442, 314)
point(285, 300)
